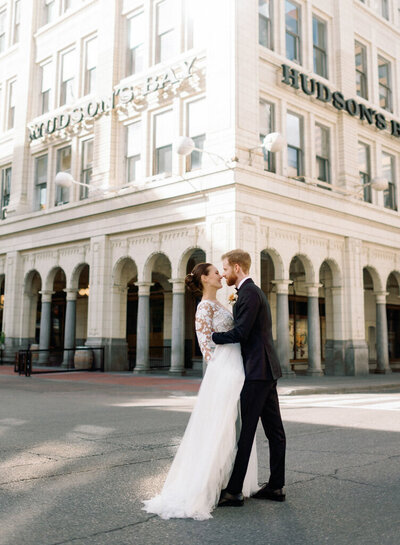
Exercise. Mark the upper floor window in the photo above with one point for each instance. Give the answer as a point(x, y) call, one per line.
point(49, 11)
point(320, 47)
point(87, 167)
point(388, 172)
point(322, 153)
point(196, 20)
point(294, 135)
point(11, 105)
point(196, 129)
point(385, 9)
point(67, 91)
point(68, 4)
point(17, 21)
point(293, 35)
point(63, 165)
point(136, 43)
point(166, 39)
point(364, 168)
point(267, 125)
point(90, 65)
point(385, 91)
point(133, 151)
point(3, 18)
point(361, 70)
point(163, 143)
point(265, 23)
point(40, 182)
point(5, 191)
point(45, 95)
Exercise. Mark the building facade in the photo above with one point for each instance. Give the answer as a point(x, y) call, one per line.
point(103, 89)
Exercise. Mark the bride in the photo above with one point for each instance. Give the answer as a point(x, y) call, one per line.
point(204, 460)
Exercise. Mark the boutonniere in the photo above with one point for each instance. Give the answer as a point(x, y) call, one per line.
point(232, 298)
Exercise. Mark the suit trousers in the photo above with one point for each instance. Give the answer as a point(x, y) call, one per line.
point(259, 398)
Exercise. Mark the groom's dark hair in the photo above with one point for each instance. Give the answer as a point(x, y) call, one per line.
point(240, 257)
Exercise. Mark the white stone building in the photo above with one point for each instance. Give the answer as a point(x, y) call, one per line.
point(102, 89)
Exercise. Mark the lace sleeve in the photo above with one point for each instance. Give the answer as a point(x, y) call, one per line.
point(204, 320)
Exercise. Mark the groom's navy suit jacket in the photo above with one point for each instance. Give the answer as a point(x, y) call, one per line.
point(253, 330)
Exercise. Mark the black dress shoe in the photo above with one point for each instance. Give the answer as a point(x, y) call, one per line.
point(268, 493)
point(230, 500)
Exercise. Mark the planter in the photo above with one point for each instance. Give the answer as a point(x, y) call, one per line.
point(83, 358)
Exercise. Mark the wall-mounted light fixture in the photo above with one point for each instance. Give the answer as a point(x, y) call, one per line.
point(185, 145)
point(273, 143)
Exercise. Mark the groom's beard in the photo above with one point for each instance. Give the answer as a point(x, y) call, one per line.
point(231, 280)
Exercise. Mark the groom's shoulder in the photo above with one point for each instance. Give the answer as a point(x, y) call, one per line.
point(249, 287)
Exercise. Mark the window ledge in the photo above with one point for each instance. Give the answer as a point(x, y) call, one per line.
point(48, 26)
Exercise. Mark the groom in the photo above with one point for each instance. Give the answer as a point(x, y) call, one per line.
point(259, 398)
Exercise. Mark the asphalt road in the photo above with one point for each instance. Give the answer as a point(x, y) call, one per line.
point(76, 459)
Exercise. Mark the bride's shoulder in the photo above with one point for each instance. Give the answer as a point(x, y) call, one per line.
point(205, 304)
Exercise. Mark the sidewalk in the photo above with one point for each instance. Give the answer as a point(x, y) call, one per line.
point(299, 385)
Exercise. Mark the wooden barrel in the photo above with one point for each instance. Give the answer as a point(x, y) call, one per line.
point(83, 358)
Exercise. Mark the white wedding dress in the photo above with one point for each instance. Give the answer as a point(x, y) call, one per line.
point(204, 460)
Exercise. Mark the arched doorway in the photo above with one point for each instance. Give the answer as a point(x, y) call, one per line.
point(331, 330)
point(82, 304)
point(32, 307)
point(121, 346)
point(58, 306)
point(1, 301)
point(305, 312)
point(160, 314)
point(376, 323)
point(370, 318)
point(393, 320)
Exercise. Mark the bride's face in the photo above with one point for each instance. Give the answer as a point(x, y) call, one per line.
point(213, 279)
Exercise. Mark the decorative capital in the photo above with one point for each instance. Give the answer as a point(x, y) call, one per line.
point(144, 288)
point(282, 285)
point(380, 297)
point(313, 289)
point(46, 295)
point(178, 285)
point(72, 294)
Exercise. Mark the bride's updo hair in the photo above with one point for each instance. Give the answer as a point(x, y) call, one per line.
point(193, 279)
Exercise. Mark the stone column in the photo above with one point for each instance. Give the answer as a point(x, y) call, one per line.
point(382, 349)
point(143, 328)
point(178, 328)
point(45, 325)
point(70, 327)
point(314, 334)
point(282, 325)
point(356, 351)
